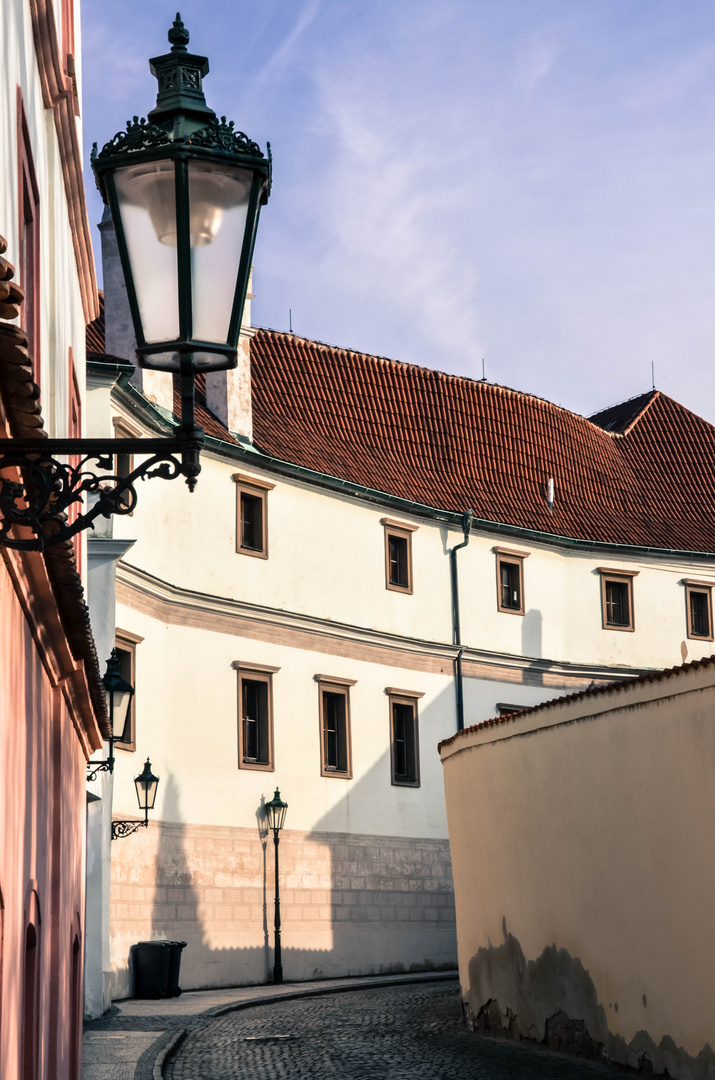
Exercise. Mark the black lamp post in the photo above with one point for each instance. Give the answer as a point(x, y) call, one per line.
point(119, 695)
point(276, 813)
point(146, 784)
point(185, 191)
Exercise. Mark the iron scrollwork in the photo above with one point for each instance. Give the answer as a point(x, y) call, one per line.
point(126, 828)
point(94, 768)
point(47, 494)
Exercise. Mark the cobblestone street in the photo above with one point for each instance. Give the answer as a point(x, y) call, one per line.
point(408, 1032)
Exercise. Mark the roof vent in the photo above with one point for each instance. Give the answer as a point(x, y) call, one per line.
point(550, 493)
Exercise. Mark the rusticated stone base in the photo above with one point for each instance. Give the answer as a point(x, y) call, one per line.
point(349, 904)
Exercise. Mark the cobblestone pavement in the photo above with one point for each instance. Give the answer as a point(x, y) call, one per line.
point(400, 1033)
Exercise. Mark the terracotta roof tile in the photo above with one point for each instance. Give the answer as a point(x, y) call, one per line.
point(454, 443)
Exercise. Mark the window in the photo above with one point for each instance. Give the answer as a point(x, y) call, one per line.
point(617, 598)
point(335, 751)
point(505, 709)
point(255, 716)
point(29, 233)
point(126, 646)
point(251, 515)
point(698, 598)
point(404, 737)
point(510, 580)
point(398, 555)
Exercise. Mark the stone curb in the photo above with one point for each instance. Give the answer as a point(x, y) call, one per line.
point(375, 983)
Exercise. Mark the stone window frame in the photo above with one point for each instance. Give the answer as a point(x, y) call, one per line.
point(400, 530)
point(255, 488)
point(409, 698)
point(611, 575)
point(694, 586)
point(249, 671)
point(331, 684)
point(125, 641)
point(511, 557)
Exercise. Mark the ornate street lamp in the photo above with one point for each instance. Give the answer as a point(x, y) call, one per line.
point(276, 814)
point(119, 695)
point(146, 784)
point(185, 191)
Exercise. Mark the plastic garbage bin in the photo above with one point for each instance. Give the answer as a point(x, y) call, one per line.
point(151, 968)
point(174, 967)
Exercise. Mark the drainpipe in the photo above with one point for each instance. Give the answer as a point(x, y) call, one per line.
point(456, 629)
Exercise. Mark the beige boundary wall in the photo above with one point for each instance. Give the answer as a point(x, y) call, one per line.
point(581, 835)
point(350, 904)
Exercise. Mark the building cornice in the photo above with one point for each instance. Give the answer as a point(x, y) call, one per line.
point(59, 95)
point(171, 604)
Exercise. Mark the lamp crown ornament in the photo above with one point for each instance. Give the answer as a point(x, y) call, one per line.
point(178, 35)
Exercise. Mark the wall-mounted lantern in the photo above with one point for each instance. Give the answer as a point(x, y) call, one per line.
point(119, 695)
point(146, 784)
point(185, 191)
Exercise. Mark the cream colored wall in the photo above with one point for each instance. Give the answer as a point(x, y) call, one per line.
point(593, 851)
point(338, 544)
point(62, 323)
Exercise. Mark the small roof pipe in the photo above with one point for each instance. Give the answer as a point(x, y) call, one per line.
point(456, 627)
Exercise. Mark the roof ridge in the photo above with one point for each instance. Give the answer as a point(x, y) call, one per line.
point(450, 376)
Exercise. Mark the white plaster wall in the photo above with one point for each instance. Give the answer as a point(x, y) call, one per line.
point(187, 723)
point(595, 838)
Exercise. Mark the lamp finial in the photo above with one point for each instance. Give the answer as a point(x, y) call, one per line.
point(178, 35)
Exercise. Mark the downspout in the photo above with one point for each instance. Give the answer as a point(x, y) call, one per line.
point(456, 628)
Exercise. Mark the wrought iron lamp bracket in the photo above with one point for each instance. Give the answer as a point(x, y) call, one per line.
point(126, 828)
point(95, 767)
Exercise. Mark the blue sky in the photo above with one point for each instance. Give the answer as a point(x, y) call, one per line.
point(528, 181)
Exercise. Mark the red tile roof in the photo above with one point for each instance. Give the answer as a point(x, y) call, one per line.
point(621, 685)
point(454, 444)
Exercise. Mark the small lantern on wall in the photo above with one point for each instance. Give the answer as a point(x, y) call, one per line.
point(146, 784)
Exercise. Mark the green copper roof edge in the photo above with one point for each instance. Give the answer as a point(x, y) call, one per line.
point(383, 498)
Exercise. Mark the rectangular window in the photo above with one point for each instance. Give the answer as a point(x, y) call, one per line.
point(29, 233)
point(126, 646)
point(510, 580)
point(505, 709)
point(617, 598)
point(404, 737)
point(398, 555)
point(698, 596)
point(252, 515)
point(335, 750)
point(255, 716)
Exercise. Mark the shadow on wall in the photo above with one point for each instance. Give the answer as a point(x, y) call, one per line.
point(552, 1001)
point(351, 903)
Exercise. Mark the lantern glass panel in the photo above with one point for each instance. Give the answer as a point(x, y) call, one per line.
point(118, 712)
point(146, 791)
point(147, 202)
point(218, 207)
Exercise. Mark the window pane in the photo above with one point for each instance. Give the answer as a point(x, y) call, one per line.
point(699, 614)
point(251, 522)
point(335, 755)
point(617, 606)
point(404, 742)
point(256, 746)
point(398, 570)
point(510, 585)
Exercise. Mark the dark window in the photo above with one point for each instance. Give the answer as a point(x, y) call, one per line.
point(251, 522)
point(398, 556)
point(126, 670)
point(398, 562)
point(254, 709)
point(617, 599)
point(335, 731)
point(30, 1003)
point(251, 515)
point(617, 605)
point(699, 614)
point(405, 743)
point(255, 718)
point(511, 585)
point(505, 709)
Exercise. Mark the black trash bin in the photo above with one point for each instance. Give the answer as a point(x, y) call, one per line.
point(151, 968)
point(174, 967)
